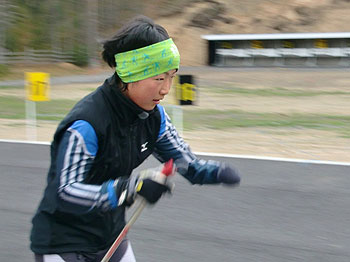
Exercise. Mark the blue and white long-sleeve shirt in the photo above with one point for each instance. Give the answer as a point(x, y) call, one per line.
point(78, 149)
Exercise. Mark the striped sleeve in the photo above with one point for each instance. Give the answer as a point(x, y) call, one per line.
point(171, 145)
point(76, 153)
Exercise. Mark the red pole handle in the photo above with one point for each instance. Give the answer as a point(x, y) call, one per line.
point(168, 167)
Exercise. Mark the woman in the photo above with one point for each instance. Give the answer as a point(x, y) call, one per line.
point(105, 136)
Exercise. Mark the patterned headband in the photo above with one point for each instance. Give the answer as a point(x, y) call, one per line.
point(147, 61)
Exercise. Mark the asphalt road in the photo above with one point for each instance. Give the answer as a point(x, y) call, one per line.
point(283, 211)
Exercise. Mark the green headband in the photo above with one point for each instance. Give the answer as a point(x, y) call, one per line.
point(147, 61)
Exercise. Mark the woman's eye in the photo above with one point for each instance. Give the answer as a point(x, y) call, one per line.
point(160, 79)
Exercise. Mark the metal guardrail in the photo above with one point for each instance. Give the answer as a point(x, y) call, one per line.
point(35, 57)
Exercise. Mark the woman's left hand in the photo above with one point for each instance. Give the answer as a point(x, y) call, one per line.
point(228, 175)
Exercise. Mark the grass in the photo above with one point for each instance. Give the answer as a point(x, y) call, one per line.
point(14, 108)
point(11, 87)
point(220, 120)
point(4, 70)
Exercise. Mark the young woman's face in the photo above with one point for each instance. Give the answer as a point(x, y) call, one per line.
point(149, 92)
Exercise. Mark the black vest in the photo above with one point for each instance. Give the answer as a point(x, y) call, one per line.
point(121, 128)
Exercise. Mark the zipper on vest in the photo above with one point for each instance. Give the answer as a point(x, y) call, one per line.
point(131, 138)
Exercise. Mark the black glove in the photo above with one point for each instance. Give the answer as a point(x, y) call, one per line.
point(150, 184)
point(151, 190)
point(228, 175)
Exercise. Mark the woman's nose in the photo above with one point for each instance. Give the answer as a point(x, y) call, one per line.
point(166, 87)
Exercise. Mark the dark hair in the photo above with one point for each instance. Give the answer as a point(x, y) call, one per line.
point(139, 32)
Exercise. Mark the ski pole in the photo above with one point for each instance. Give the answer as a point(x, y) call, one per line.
point(166, 171)
point(123, 233)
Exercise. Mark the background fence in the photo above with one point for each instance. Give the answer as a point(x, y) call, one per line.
point(35, 57)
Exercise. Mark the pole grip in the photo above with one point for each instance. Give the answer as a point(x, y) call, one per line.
point(168, 168)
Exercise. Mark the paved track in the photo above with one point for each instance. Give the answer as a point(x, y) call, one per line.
point(282, 211)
